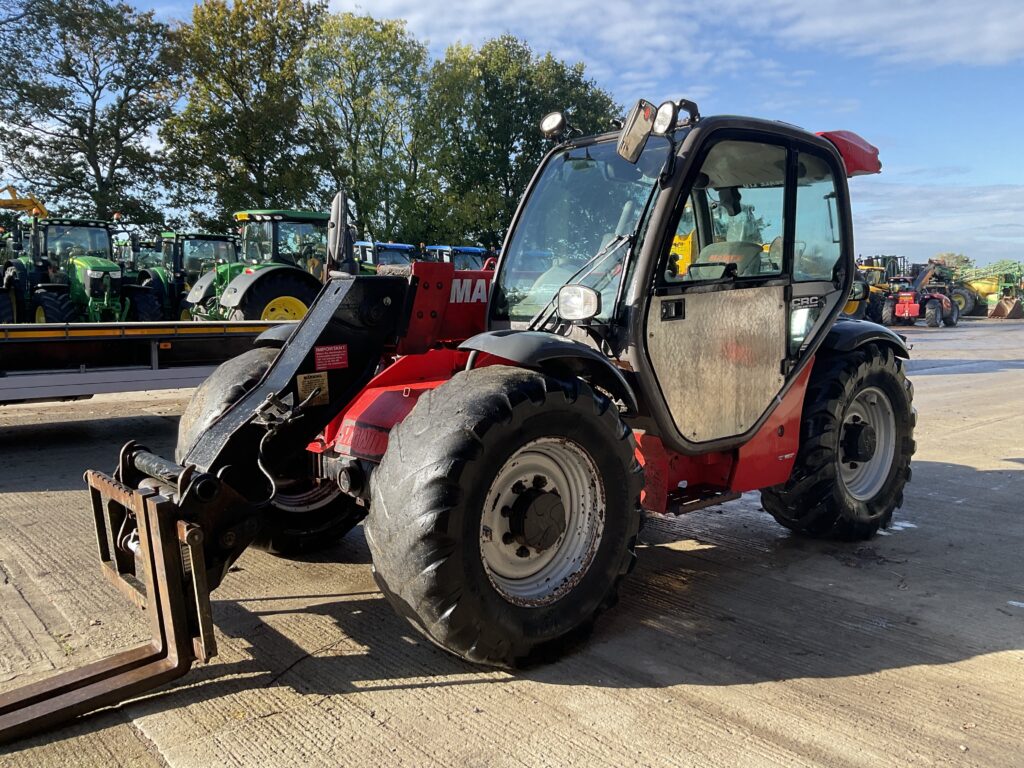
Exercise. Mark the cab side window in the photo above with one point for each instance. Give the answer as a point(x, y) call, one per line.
point(818, 235)
point(741, 187)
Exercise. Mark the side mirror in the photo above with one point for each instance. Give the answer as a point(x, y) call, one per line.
point(639, 124)
point(859, 291)
point(17, 246)
point(577, 303)
point(339, 237)
point(134, 239)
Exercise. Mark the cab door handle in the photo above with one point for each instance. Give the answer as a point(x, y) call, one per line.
point(673, 310)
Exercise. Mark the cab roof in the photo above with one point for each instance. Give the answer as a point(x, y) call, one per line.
point(281, 214)
point(457, 248)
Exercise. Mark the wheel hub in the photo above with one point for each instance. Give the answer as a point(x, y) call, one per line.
point(537, 519)
point(859, 441)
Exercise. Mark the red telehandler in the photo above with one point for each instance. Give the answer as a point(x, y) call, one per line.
point(501, 432)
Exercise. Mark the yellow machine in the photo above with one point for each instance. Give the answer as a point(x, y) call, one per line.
point(27, 204)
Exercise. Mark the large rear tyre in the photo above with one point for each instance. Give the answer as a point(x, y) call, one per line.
point(505, 513)
point(954, 316)
point(306, 515)
point(50, 307)
point(857, 438)
point(964, 300)
point(281, 295)
point(7, 306)
point(933, 314)
point(888, 312)
point(144, 307)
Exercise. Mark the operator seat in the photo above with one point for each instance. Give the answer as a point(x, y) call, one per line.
point(746, 256)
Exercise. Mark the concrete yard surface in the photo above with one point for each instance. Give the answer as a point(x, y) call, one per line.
point(734, 643)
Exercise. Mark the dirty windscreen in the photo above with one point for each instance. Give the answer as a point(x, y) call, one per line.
point(200, 255)
point(584, 204)
point(66, 241)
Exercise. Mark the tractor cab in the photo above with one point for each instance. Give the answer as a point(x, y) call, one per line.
point(373, 255)
point(463, 257)
point(295, 238)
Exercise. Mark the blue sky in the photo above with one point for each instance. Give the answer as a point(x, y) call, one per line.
point(937, 85)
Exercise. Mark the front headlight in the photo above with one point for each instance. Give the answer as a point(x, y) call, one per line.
point(96, 274)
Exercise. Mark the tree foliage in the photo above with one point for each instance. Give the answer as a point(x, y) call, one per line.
point(482, 110)
point(365, 81)
point(240, 141)
point(86, 83)
point(956, 261)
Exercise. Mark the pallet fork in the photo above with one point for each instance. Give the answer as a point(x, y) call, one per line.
point(161, 570)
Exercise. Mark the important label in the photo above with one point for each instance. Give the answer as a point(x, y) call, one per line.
point(330, 357)
point(308, 383)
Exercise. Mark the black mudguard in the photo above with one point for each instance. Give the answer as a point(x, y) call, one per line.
point(238, 287)
point(275, 337)
point(203, 289)
point(848, 334)
point(557, 356)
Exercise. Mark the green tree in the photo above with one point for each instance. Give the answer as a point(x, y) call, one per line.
point(482, 111)
point(240, 140)
point(86, 83)
point(366, 80)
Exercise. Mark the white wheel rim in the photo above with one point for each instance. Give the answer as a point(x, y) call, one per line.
point(864, 479)
point(542, 522)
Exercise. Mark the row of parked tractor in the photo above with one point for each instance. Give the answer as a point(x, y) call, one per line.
point(61, 270)
point(900, 293)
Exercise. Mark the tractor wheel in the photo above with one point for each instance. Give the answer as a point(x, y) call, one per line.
point(144, 307)
point(857, 437)
point(280, 296)
point(964, 300)
point(888, 313)
point(6, 307)
point(305, 516)
point(505, 513)
point(954, 316)
point(50, 307)
point(874, 310)
point(933, 314)
point(184, 309)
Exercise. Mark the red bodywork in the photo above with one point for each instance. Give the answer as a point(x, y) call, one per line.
point(859, 156)
point(451, 310)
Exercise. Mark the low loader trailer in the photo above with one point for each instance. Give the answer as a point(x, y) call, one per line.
point(501, 432)
point(76, 361)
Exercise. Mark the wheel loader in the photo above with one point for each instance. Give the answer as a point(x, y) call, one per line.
point(502, 432)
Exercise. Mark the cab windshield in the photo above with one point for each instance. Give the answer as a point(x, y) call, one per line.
point(149, 257)
point(467, 260)
point(391, 256)
point(67, 241)
point(576, 227)
point(200, 255)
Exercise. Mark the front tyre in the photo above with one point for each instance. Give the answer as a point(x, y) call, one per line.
point(857, 438)
point(305, 515)
point(953, 318)
point(504, 513)
point(280, 295)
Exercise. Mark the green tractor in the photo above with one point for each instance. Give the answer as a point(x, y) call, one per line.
point(62, 270)
point(185, 258)
point(280, 270)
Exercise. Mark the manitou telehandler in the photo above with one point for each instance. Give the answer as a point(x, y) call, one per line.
point(501, 431)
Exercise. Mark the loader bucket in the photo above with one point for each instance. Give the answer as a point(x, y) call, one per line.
point(163, 572)
point(1008, 309)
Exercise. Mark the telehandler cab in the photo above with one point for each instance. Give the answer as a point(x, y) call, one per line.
point(501, 431)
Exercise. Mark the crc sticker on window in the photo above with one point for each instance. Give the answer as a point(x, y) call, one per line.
point(331, 356)
point(308, 383)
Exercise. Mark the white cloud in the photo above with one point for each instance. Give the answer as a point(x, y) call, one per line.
point(921, 220)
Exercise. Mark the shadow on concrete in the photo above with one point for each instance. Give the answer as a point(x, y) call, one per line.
point(720, 597)
point(926, 367)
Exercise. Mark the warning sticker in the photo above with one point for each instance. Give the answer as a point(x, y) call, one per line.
point(311, 382)
point(331, 357)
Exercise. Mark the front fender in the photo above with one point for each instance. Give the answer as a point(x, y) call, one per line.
point(237, 288)
point(848, 334)
point(557, 356)
point(203, 289)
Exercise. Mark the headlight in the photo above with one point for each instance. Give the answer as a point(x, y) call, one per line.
point(95, 274)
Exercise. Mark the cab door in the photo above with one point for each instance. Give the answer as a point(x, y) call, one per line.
point(743, 286)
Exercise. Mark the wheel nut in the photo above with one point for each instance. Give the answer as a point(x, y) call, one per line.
point(507, 537)
point(506, 511)
point(539, 481)
point(522, 552)
point(519, 487)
